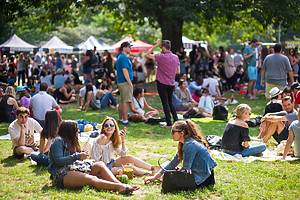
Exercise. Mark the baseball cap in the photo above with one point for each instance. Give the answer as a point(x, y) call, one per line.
point(125, 44)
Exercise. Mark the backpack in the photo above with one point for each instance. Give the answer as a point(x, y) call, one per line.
point(220, 113)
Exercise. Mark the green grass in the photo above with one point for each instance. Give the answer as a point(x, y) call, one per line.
point(256, 180)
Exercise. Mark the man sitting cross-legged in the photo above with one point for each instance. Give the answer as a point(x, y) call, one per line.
point(22, 133)
point(277, 124)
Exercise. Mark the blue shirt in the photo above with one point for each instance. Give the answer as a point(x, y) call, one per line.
point(59, 81)
point(59, 156)
point(252, 60)
point(123, 62)
point(195, 158)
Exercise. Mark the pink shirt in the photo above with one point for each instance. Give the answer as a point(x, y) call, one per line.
point(167, 66)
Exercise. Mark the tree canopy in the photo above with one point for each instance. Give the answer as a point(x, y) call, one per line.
point(245, 18)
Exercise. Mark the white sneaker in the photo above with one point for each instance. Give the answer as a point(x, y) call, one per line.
point(234, 101)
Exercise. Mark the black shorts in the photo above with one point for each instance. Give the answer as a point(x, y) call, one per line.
point(284, 134)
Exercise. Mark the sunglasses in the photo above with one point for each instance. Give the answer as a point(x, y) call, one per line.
point(109, 125)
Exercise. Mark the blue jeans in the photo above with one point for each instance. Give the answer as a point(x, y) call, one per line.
point(252, 150)
point(108, 99)
point(40, 159)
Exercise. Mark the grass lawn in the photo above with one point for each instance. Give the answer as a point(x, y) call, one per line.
point(257, 180)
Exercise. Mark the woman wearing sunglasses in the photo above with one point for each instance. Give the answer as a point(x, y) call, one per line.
point(236, 138)
point(65, 152)
point(112, 141)
point(192, 150)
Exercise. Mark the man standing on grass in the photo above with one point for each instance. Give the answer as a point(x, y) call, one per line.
point(250, 57)
point(276, 67)
point(124, 78)
point(167, 68)
point(22, 133)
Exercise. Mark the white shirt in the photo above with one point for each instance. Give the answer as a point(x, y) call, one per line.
point(41, 103)
point(212, 85)
point(206, 103)
point(82, 91)
point(31, 126)
point(106, 152)
point(139, 107)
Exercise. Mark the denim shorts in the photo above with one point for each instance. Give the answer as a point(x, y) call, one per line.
point(58, 178)
point(110, 164)
point(252, 73)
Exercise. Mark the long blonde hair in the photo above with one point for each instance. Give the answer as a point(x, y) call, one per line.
point(240, 110)
point(115, 138)
point(10, 91)
point(189, 129)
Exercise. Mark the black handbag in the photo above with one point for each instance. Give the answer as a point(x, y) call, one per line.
point(177, 180)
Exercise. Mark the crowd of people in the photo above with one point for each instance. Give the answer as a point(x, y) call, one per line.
point(196, 82)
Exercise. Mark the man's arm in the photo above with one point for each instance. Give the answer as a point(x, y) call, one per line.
point(149, 52)
point(262, 76)
point(291, 77)
point(288, 143)
point(126, 75)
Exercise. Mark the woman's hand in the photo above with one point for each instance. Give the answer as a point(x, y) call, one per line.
point(123, 134)
point(245, 144)
point(149, 180)
point(83, 155)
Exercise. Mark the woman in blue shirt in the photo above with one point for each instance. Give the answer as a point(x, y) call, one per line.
point(192, 150)
point(65, 150)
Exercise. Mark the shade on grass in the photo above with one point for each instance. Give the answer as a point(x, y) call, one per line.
point(257, 180)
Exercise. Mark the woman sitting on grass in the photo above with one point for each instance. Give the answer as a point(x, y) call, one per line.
point(192, 150)
point(111, 141)
point(49, 132)
point(65, 150)
point(138, 106)
point(236, 138)
point(66, 94)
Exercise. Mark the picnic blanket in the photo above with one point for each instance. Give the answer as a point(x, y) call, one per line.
point(268, 155)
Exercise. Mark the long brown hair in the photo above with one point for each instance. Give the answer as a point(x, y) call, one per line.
point(52, 121)
point(115, 138)
point(68, 131)
point(189, 129)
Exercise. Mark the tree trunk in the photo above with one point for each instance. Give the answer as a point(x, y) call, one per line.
point(171, 29)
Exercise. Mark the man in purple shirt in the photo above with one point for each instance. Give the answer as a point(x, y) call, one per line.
point(167, 68)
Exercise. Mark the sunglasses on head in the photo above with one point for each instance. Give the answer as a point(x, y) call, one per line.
point(109, 125)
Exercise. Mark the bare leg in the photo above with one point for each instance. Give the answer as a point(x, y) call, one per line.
point(271, 129)
point(23, 150)
point(100, 170)
point(120, 109)
point(75, 179)
point(152, 113)
point(136, 162)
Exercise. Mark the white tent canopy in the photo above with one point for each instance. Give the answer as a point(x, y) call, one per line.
point(14, 43)
point(188, 43)
point(92, 42)
point(57, 45)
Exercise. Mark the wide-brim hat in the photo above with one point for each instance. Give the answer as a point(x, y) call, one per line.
point(275, 91)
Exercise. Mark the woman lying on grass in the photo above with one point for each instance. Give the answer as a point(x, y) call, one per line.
point(65, 151)
point(236, 138)
point(192, 150)
point(111, 141)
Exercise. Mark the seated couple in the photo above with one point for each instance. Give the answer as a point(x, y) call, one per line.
point(96, 99)
point(276, 124)
point(65, 150)
point(138, 106)
point(22, 135)
point(236, 138)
